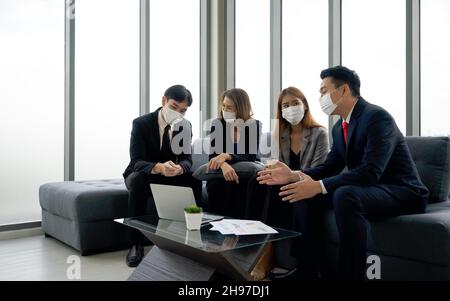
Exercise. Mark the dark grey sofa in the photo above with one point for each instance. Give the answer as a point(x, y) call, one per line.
point(412, 247)
point(81, 214)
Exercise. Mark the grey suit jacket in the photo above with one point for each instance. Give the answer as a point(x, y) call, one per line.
point(314, 148)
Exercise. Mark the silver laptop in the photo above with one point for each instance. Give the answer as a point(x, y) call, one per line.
point(170, 202)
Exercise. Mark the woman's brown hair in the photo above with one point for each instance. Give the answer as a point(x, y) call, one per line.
point(307, 122)
point(241, 102)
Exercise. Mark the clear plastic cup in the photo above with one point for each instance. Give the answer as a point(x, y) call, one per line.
point(271, 163)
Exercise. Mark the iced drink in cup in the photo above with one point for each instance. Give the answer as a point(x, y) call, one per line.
point(271, 163)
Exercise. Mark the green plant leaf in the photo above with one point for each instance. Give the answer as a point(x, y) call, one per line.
point(193, 209)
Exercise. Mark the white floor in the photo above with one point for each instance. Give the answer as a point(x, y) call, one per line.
point(39, 258)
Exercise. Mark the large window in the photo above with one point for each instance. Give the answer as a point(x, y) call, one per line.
point(175, 52)
point(32, 104)
point(373, 44)
point(305, 49)
point(107, 85)
point(435, 63)
point(253, 55)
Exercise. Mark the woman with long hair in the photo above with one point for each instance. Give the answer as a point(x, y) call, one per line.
point(234, 138)
point(300, 143)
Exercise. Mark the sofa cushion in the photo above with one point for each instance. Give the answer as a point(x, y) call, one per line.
point(432, 157)
point(424, 237)
point(200, 150)
point(243, 169)
point(85, 200)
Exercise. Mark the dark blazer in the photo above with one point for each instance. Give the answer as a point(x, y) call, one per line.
point(376, 154)
point(221, 141)
point(145, 145)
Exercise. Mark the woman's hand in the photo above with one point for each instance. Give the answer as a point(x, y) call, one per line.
point(229, 173)
point(216, 162)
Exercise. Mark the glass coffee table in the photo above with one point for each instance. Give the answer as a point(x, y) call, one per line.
point(199, 255)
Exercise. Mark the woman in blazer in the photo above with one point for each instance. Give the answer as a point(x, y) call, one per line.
point(234, 138)
point(300, 143)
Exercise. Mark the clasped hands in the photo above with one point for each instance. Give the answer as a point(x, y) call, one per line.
point(297, 185)
point(167, 169)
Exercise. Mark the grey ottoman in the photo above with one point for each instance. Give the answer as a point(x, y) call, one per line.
point(81, 214)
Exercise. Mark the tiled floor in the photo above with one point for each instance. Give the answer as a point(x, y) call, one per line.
point(40, 258)
point(37, 258)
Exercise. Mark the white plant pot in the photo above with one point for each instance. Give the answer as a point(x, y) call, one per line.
point(193, 220)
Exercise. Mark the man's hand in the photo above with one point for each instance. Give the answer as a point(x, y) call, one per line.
point(167, 169)
point(280, 174)
point(229, 173)
point(173, 170)
point(216, 162)
point(301, 190)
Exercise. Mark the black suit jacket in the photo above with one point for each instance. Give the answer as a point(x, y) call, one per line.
point(221, 141)
point(145, 145)
point(376, 154)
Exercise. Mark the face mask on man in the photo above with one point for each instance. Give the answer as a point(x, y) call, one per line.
point(293, 114)
point(171, 116)
point(229, 116)
point(327, 105)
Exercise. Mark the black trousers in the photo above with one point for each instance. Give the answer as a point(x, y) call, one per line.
point(264, 203)
point(227, 198)
point(353, 206)
point(140, 199)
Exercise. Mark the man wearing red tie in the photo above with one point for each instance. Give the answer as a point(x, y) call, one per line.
point(368, 174)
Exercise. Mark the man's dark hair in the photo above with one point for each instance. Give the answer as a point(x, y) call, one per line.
point(342, 75)
point(179, 93)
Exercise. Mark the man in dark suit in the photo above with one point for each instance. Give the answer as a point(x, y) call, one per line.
point(160, 152)
point(368, 174)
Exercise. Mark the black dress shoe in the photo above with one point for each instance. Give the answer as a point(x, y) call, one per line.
point(135, 255)
point(295, 274)
point(286, 276)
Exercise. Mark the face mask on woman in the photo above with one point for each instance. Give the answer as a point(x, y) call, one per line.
point(229, 116)
point(293, 114)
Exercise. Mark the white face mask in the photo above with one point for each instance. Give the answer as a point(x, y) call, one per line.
point(293, 114)
point(229, 116)
point(171, 116)
point(327, 105)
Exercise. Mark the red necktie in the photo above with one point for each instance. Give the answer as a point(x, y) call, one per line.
point(345, 128)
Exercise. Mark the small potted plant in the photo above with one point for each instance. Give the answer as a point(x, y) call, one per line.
point(193, 215)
